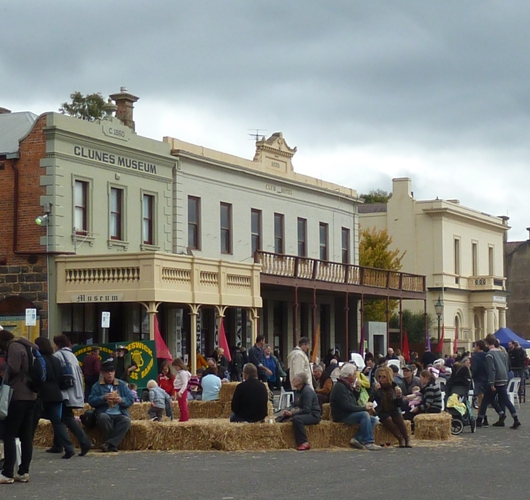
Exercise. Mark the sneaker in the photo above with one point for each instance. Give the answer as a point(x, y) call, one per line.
point(355, 444)
point(6, 480)
point(485, 423)
point(516, 424)
point(371, 447)
point(22, 478)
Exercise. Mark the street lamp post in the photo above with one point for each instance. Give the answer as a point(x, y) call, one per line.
point(439, 308)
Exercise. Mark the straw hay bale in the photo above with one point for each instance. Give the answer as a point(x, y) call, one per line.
point(433, 426)
point(326, 411)
point(227, 391)
point(383, 436)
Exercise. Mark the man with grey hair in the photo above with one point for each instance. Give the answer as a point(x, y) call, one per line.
point(344, 408)
point(250, 399)
point(298, 361)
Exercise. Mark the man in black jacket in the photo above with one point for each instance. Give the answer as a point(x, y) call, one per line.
point(344, 409)
point(249, 403)
point(256, 357)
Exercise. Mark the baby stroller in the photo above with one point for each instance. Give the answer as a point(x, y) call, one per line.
point(463, 417)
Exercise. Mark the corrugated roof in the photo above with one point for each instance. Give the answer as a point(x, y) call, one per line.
point(371, 208)
point(14, 126)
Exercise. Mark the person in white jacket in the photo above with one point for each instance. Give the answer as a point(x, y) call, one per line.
point(298, 361)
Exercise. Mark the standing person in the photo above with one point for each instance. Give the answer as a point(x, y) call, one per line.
point(305, 411)
point(111, 398)
point(91, 370)
point(182, 378)
point(498, 366)
point(272, 363)
point(298, 361)
point(73, 397)
point(479, 373)
point(19, 420)
point(236, 365)
point(390, 354)
point(517, 363)
point(124, 364)
point(166, 379)
point(52, 397)
point(256, 357)
point(401, 358)
point(428, 358)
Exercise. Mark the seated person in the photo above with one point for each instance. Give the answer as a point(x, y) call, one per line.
point(211, 385)
point(397, 378)
point(250, 399)
point(409, 380)
point(387, 397)
point(460, 381)
point(344, 409)
point(431, 395)
point(414, 398)
point(194, 384)
point(305, 411)
point(111, 397)
point(159, 400)
point(323, 384)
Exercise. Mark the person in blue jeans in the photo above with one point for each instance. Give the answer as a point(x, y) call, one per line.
point(344, 408)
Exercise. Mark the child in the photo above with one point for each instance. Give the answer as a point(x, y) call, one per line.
point(415, 398)
point(159, 399)
point(134, 391)
point(182, 378)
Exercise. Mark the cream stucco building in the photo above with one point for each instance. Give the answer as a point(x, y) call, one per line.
point(458, 249)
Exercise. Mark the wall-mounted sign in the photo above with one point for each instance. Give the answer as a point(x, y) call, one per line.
point(83, 297)
point(31, 316)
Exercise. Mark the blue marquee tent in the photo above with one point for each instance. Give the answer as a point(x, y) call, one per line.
point(505, 335)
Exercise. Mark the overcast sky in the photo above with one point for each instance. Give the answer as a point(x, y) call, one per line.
point(367, 90)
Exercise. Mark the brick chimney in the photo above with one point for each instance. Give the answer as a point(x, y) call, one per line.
point(4, 111)
point(124, 101)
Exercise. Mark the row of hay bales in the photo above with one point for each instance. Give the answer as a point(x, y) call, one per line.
point(220, 434)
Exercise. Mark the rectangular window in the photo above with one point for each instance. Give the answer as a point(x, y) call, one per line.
point(474, 259)
point(255, 230)
point(491, 261)
point(457, 256)
point(116, 214)
point(194, 222)
point(81, 207)
point(148, 204)
point(345, 238)
point(226, 228)
point(279, 233)
point(323, 230)
point(302, 237)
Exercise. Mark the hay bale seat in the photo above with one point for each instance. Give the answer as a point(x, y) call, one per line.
point(433, 426)
point(220, 434)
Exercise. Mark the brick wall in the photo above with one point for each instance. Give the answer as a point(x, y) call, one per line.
point(23, 263)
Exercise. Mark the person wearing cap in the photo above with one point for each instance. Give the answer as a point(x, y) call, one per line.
point(111, 399)
point(124, 364)
point(409, 380)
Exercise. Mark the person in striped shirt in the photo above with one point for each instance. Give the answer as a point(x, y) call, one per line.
point(432, 396)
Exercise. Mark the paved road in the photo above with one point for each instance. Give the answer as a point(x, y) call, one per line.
point(494, 463)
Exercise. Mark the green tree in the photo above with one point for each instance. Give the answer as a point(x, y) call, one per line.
point(86, 107)
point(376, 196)
point(374, 251)
point(414, 322)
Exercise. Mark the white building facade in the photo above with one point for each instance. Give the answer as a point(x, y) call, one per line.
point(459, 250)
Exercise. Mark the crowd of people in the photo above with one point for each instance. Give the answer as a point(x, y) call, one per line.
point(387, 389)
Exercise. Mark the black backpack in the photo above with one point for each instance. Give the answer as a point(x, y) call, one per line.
point(67, 380)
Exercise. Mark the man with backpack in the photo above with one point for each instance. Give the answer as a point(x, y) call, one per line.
point(19, 420)
point(71, 384)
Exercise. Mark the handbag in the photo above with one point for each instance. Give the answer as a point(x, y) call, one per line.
point(5, 398)
point(89, 419)
point(67, 380)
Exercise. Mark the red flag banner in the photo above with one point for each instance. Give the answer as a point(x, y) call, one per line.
point(162, 351)
point(406, 348)
point(222, 339)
